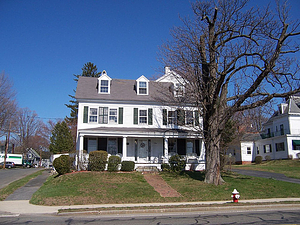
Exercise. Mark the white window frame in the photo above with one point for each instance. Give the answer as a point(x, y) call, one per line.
point(104, 88)
point(171, 117)
point(143, 87)
point(93, 113)
point(145, 117)
point(113, 115)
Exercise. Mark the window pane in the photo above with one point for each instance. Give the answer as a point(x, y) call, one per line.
point(113, 116)
point(143, 112)
point(143, 84)
point(104, 83)
point(93, 111)
point(143, 91)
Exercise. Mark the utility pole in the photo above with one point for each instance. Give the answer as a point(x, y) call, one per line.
point(7, 144)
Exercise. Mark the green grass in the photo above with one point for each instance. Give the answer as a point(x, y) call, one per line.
point(290, 168)
point(9, 189)
point(114, 188)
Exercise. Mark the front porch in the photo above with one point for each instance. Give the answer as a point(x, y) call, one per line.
point(147, 148)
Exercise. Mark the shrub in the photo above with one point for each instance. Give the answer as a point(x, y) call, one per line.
point(177, 163)
point(63, 164)
point(113, 163)
point(258, 159)
point(268, 158)
point(97, 160)
point(127, 166)
point(165, 167)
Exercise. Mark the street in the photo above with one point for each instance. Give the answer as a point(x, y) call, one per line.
point(288, 216)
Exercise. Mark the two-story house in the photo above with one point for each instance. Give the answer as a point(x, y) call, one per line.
point(280, 138)
point(132, 119)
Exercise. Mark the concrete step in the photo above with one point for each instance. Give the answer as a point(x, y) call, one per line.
point(147, 169)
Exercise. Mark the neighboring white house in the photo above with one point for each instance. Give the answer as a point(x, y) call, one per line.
point(280, 138)
point(129, 118)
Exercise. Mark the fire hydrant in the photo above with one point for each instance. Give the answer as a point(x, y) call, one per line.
point(235, 196)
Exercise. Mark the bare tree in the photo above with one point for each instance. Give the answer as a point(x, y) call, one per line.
point(28, 127)
point(226, 43)
point(8, 106)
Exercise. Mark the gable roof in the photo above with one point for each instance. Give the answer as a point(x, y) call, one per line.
point(120, 90)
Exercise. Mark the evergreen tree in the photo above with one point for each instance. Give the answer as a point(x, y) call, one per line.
point(88, 70)
point(61, 140)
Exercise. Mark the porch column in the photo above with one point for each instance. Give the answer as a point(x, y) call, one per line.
point(166, 150)
point(80, 150)
point(124, 150)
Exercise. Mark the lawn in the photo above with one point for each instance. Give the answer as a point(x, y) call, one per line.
point(113, 188)
point(290, 168)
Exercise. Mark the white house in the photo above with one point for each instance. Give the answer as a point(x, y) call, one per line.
point(280, 138)
point(130, 118)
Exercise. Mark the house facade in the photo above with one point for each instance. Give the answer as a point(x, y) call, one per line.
point(131, 118)
point(280, 138)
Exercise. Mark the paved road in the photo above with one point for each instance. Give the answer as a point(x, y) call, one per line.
point(9, 175)
point(276, 216)
point(264, 174)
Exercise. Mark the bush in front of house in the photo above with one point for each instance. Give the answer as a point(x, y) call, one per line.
point(113, 163)
point(63, 164)
point(165, 167)
point(127, 166)
point(258, 159)
point(97, 160)
point(177, 163)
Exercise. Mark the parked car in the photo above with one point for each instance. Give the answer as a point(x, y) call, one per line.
point(27, 164)
point(8, 165)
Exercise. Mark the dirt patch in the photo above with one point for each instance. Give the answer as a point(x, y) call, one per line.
point(159, 185)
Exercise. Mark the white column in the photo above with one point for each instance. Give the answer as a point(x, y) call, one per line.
point(124, 150)
point(166, 149)
point(80, 153)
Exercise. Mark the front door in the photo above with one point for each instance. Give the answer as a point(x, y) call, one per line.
point(143, 151)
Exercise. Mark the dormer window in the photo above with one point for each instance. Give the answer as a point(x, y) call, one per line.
point(104, 86)
point(142, 86)
point(104, 83)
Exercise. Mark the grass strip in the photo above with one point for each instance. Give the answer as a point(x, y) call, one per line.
point(177, 206)
point(9, 189)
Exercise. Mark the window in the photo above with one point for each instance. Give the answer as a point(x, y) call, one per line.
point(267, 148)
point(104, 86)
point(281, 129)
point(93, 115)
point(143, 117)
point(296, 144)
point(179, 90)
point(142, 88)
point(279, 146)
point(113, 118)
point(248, 151)
point(103, 115)
point(189, 118)
point(171, 117)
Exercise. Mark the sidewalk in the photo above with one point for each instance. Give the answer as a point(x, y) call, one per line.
point(15, 208)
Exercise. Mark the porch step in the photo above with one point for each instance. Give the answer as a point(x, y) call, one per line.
point(147, 169)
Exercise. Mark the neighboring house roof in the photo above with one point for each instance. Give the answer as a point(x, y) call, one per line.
point(293, 108)
point(33, 152)
point(251, 137)
point(120, 90)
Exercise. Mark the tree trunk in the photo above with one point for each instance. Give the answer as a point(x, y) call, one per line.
point(212, 139)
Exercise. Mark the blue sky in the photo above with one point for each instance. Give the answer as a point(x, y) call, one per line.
point(44, 42)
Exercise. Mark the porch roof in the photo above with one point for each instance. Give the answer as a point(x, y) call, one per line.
point(136, 132)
